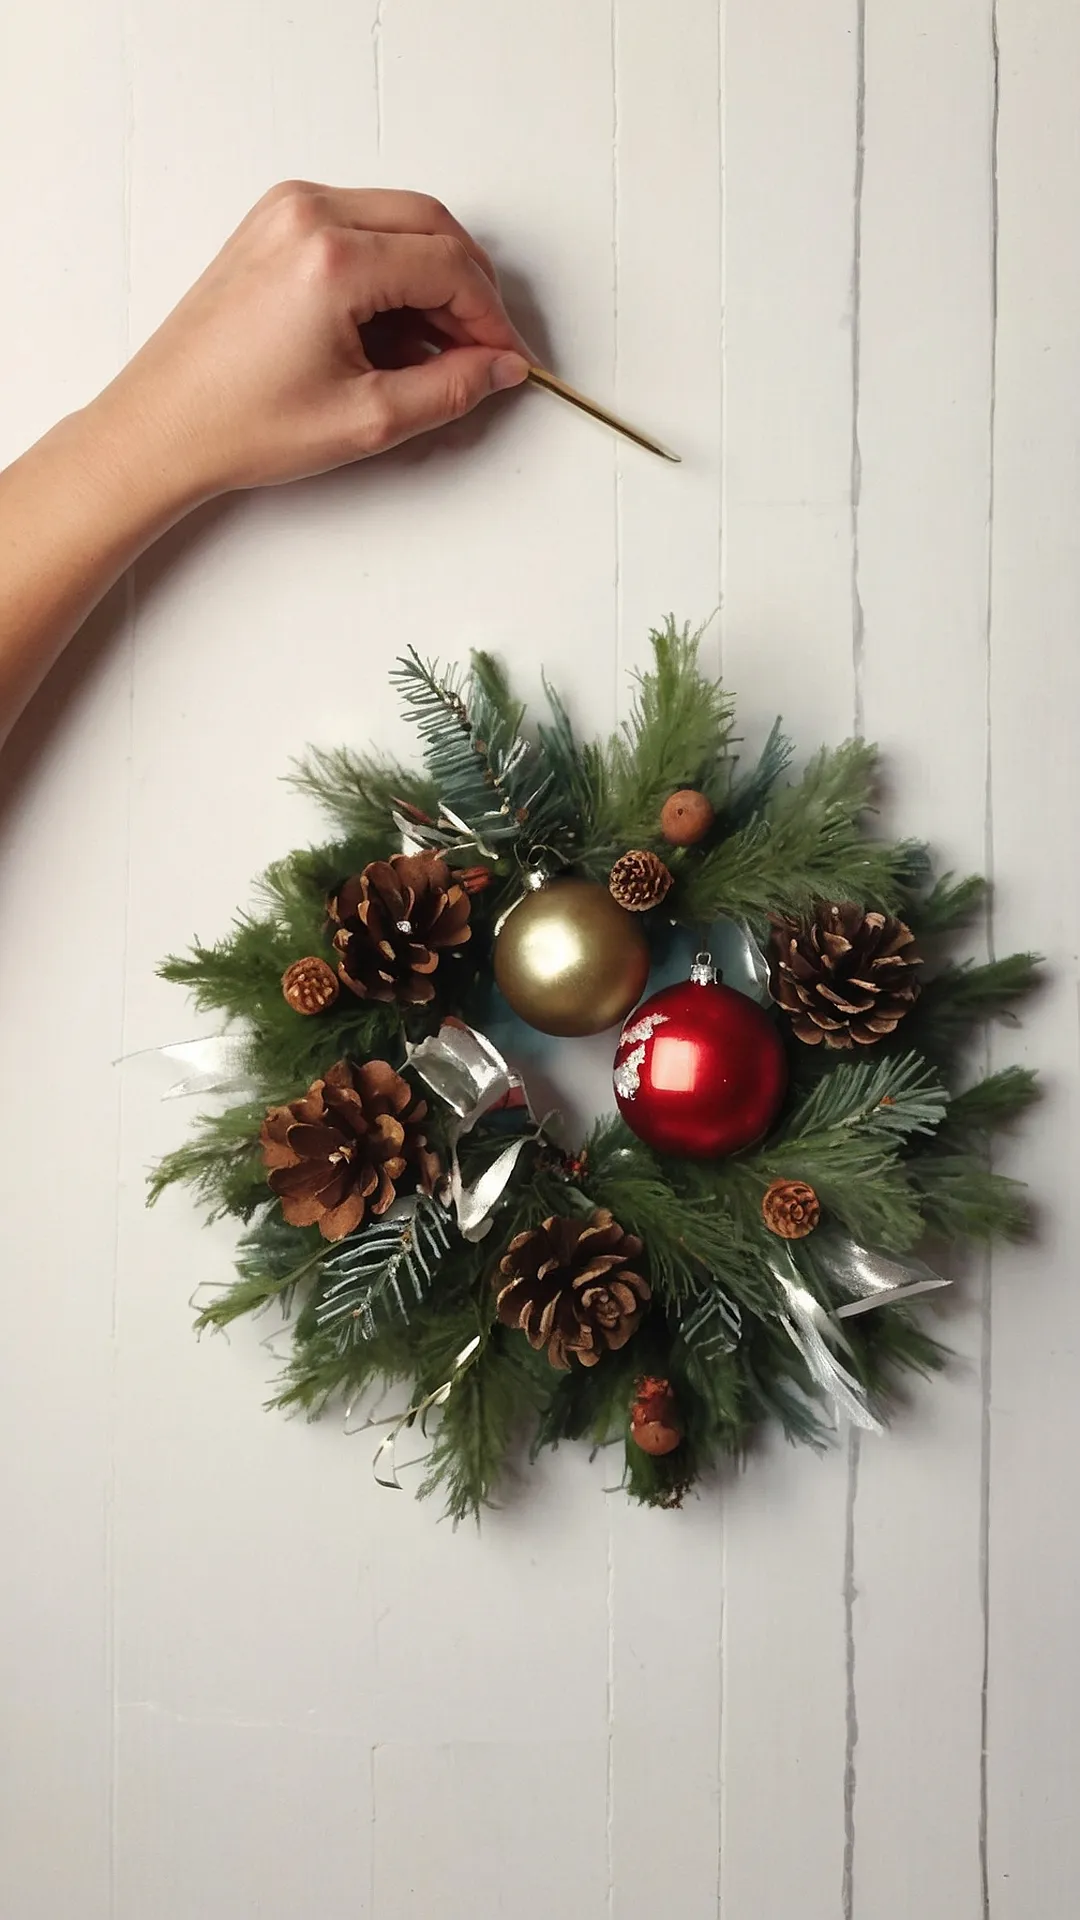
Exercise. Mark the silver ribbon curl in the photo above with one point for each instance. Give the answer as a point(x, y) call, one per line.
point(813, 1332)
point(468, 1073)
point(217, 1064)
point(388, 1443)
point(876, 1279)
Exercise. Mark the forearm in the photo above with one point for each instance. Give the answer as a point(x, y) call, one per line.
point(305, 344)
point(75, 511)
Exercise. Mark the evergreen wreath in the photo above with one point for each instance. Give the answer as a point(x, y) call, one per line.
point(614, 1294)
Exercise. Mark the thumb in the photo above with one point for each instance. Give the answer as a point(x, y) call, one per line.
point(408, 400)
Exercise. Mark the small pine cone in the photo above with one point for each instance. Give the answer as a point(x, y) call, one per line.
point(394, 922)
point(791, 1209)
point(474, 879)
point(310, 985)
point(655, 1425)
point(845, 978)
point(570, 1286)
point(639, 880)
point(341, 1152)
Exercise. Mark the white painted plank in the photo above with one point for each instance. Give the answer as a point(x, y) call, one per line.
point(925, 348)
point(62, 822)
point(506, 1830)
point(665, 1567)
point(198, 1833)
point(278, 1584)
point(1034, 1681)
point(789, 79)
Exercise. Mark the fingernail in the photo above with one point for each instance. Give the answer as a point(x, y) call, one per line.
point(509, 370)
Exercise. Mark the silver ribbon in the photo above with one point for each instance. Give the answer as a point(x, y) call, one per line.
point(876, 1279)
point(813, 1331)
point(214, 1065)
point(757, 966)
point(419, 837)
point(441, 1395)
point(466, 1071)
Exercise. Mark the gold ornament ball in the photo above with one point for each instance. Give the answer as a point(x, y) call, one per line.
point(570, 960)
point(686, 817)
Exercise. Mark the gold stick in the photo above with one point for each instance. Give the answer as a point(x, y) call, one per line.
point(542, 378)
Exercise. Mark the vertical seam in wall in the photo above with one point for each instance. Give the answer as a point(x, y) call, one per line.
point(721, 129)
point(857, 620)
point(986, 1342)
point(377, 62)
point(617, 659)
point(721, 564)
point(615, 292)
point(858, 638)
point(851, 1711)
point(129, 619)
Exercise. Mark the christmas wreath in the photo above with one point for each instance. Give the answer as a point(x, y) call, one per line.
point(796, 1151)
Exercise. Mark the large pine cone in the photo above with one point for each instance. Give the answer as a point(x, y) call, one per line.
point(393, 921)
point(339, 1153)
point(846, 978)
point(571, 1287)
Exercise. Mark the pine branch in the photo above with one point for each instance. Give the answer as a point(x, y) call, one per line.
point(750, 792)
point(950, 905)
point(221, 1162)
point(378, 1269)
point(859, 1179)
point(478, 1426)
point(479, 762)
point(809, 845)
point(576, 796)
point(963, 1200)
point(992, 1103)
point(360, 793)
point(678, 735)
point(960, 999)
point(895, 1095)
point(688, 1237)
point(273, 1260)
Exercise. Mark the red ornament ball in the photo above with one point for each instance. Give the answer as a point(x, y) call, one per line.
point(700, 1069)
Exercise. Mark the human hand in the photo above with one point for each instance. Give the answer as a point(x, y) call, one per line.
point(308, 342)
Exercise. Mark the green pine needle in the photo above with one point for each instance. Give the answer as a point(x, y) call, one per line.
point(962, 1199)
point(221, 1162)
point(809, 845)
point(992, 1103)
point(360, 793)
point(678, 735)
point(894, 1096)
point(272, 1260)
point(961, 999)
point(950, 905)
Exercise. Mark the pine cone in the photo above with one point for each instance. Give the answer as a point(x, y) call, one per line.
point(846, 978)
point(570, 1287)
point(791, 1209)
point(338, 1154)
point(310, 985)
point(639, 880)
point(393, 922)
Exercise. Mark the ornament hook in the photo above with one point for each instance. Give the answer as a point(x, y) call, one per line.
point(703, 973)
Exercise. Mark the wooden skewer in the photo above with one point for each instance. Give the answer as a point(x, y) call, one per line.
point(540, 377)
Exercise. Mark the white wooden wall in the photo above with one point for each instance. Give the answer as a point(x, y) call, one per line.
point(832, 253)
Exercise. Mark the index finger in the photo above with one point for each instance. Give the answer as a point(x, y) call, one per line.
point(436, 275)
